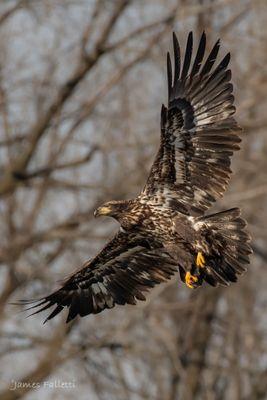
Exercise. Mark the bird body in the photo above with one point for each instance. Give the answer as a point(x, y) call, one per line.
point(166, 228)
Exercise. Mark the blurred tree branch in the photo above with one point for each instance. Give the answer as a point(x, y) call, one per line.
point(9, 181)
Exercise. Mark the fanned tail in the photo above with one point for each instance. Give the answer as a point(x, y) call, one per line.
point(230, 244)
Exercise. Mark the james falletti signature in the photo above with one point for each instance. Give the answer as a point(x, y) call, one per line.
point(56, 384)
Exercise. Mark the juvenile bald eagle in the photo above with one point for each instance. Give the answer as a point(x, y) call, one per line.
point(165, 228)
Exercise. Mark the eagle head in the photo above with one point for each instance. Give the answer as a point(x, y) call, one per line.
point(113, 209)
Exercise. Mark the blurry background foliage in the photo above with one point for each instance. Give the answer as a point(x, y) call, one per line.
point(81, 86)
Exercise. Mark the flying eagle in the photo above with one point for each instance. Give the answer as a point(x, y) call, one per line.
point(165, 228)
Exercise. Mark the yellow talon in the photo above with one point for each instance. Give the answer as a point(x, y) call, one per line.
point(200, 260)
point(190, 280)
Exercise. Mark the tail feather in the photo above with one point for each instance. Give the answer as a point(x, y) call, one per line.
point(230, 244)
point(222, 216)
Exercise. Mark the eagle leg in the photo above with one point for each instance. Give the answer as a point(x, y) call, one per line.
point(190, 280)
point(200, 260)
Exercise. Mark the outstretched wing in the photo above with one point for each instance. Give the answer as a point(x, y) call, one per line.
point(198, 132)
point(125, 268)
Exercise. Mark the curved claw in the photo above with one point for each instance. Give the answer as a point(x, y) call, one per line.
point(200, 261)
point(190, 280)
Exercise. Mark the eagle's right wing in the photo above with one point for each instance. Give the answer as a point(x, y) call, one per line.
point(198, 132)
point(126, 267)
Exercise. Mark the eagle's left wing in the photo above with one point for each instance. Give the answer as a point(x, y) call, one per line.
point(198, 132)
point(127, 266)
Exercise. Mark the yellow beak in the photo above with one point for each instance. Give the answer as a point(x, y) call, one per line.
point(104, 210)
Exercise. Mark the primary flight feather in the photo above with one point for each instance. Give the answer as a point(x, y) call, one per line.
point(165, 228)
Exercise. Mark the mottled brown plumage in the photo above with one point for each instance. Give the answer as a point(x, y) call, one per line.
point(165, 228)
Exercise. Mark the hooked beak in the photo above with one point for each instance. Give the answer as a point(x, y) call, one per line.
point(105, 210)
